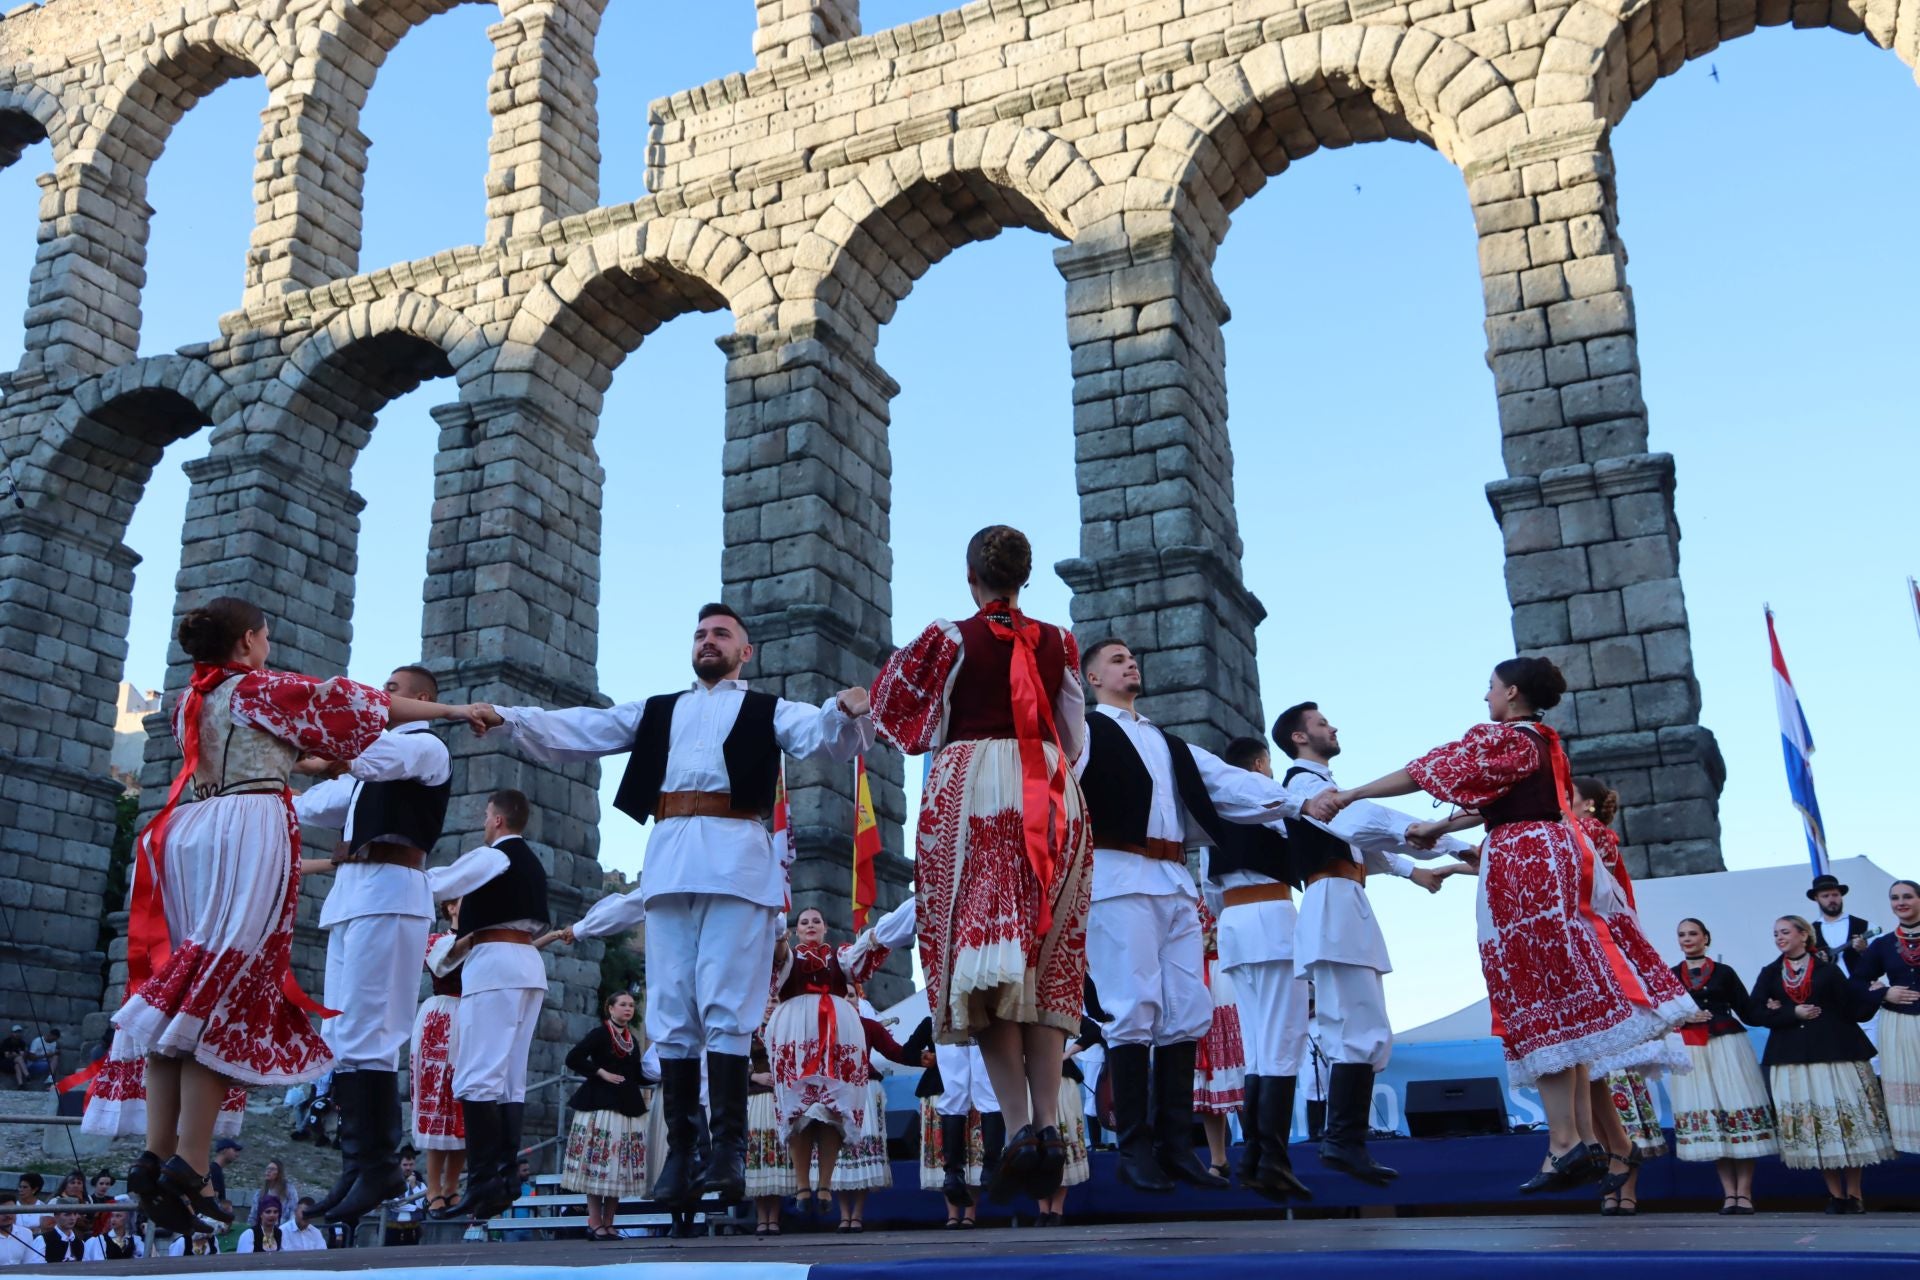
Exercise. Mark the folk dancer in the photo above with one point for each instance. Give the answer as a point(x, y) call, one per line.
point(1838, 938)
point(703, 764)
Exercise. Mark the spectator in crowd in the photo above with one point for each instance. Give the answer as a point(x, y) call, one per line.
point(18, 1244)
point(201, 1245)
point(301, 1235)
point(44, 1055)
point(63, 1240)
point(264, 1235)
point(73, 1189)
point(102, 1194)
point(275, 1184)
point(117, 1243)
point(225, 1152)
point(13, 1056)
point(32, 1212)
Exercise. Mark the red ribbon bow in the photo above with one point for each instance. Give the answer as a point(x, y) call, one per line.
point(1043, 788)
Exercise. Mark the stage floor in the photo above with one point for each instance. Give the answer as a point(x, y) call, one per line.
point(1406, 1246)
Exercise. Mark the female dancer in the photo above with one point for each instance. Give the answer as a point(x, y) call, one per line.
point(817, 1046)
point(1720, 1108)
point(1557, 947)
point(1819, 1065)
point(439, 1127)
point(863, 1164)
point(607, 1146)
point(1004, 847)
point(769, 1164)
point(1219, 1073)
point(211, 997)
point(952, 1146)
point(1895, 957)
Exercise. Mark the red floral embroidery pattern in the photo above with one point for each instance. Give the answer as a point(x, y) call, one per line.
point(335, 718)
point(436, 1114)
point(1220, 1064)
point(909, 694)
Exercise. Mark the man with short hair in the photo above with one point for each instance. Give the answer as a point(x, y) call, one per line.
point(502, 887)
point(302, 1235)
point(1337, 943)
point(1151, 797)
point(1837, 936)
point(703, 766)
point(44, 1055)
point(13, 1055)
point(19, 1243)
point(225, 1152)
point(389, 805)
point(63, 1240)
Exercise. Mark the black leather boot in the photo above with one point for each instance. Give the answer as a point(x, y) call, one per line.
point(993, 1144)
point(1275, 1178)
point(376, 1121)
point(1349, 1103)
point(1251, 1132)
point(345, 1096)
point(680, 1095)
point(1316, 1118)
point(484, 1188)
point(726, 1172)
point(953, 1159)
point(1173, 1117)
point(513, 1116)
point(1128, 1066)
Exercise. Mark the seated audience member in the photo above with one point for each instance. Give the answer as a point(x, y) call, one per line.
point(18, 1244)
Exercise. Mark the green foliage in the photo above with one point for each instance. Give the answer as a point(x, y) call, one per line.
point(621, 969)
point(126, 825)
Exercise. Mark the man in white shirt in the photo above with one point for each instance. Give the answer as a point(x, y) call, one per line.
point(389, 806)
point(302, 1235)
point(703, 766)
point(502, 887)
point(1150, 797)
point(62, 1239)
point(1337, 943)
point(19, 1244)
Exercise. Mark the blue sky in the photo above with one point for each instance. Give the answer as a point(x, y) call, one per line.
point(1767, 215)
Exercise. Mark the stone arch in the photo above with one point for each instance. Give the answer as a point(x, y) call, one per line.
point(903, 213)
point(613, 291)
point(1282, 101)
point(1605, 54)
point(30, 113)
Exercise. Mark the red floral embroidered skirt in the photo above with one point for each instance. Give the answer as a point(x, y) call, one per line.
point(438, 1122)
point(1220, 1064)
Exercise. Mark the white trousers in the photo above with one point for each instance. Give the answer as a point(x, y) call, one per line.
point(373, 979)
point(709, 968)
point(1144, 952)
point(1273, 1017)
point(1350, 1014)
point(963, 1081)
point(492, 1032)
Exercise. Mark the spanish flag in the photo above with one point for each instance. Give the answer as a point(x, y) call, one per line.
point(866, 845)
point(783, 835)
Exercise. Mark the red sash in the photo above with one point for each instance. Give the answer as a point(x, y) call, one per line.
point(1623, 973)
point(1043, 789)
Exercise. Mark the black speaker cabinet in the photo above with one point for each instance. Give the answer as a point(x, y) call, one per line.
point(1455, 1108)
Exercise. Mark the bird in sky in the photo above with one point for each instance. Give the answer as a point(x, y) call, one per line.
point(1713, 69)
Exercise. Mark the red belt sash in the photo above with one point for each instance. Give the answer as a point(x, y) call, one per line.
point(1616, 959)
point(1042, 787)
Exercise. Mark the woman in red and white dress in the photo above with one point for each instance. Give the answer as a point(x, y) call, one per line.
point(1557, 943)
point(1004, 847)
point(212, 1001)
point(816, 1044)
point(439, 1128)
point(1220, 1066)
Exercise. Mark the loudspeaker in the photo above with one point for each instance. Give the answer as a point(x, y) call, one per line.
point(1455, 1108)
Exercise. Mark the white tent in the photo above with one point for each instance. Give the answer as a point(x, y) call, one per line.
point(1739, 907)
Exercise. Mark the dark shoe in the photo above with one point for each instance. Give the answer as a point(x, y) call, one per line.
point(1836, 1205)
point(953, 1224)
point(1743, 1205)
point(1251, 1131)
point(1626, 1208)
point(1611, 1182)
point(1855, 1205)
point(1349, 1104)
point(1562, 1173)
point(345, 1094)
point(1173, 1117)
point(726, 1174)
point(1609, 1206)
point(1275, 1178)
point(953, 1151)
point(1128, 1066)
point(1729, 1207)
point(166, 1208)
point(1052, 1166)
point(1019, 1167)
point(680, 1095)
point(143, 1178)
point(376, 1125)
point(1316, 1119)
point(178, 1178)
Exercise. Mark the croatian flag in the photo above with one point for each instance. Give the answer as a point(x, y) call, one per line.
point(1797, 743)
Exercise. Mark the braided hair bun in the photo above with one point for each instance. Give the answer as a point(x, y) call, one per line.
point(1537, 679)
point(1000, 558)
point(210, 633)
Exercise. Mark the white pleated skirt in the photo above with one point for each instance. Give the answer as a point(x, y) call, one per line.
point(1720, 1109)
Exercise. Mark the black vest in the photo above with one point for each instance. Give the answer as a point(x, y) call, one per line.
point(1311, 849)
point(407, 812)
point(751, 752)
point(518, 893)
point(1119, 790)
point(116, 1252)
point(1241, 847)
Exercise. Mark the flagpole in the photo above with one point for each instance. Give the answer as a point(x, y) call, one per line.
point(1913, 598)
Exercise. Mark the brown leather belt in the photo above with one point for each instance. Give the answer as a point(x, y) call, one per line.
point(520, 936)
point(1156, 848)
point(700, 804)
point(1278, 891)
point(385, 854)
point(1345, 869)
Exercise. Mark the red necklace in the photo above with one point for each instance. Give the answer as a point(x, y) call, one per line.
point(622, 1040)
point(1908, 944)
point(1704, 974)
point(1798, 986)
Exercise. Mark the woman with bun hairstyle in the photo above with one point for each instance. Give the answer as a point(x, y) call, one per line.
point(211, 997)
point(1558, 944)
point(1894, 958)
point(1721, 1111)
point(1004, 846)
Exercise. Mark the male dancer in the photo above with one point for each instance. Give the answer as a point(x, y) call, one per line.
point(389, 806)
point(1337, 944)
point(502, 888)
point(1837, 936)
point(1257, 915)
point(1150, 796)
point(703, 766)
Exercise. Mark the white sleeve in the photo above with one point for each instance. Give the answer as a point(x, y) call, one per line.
point(894, 930)
point(246, 1242)
point(1387, 863)
point(803, 731)
point(397, 757)
point(614, 914)
point(1242, 795)
point(325, 804)
point(573, 735)
point(96, 1250)
point(1070, 720)
point(466, 873)
point(438, 962)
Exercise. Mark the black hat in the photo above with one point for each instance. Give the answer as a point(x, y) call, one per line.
point(1823, 883)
